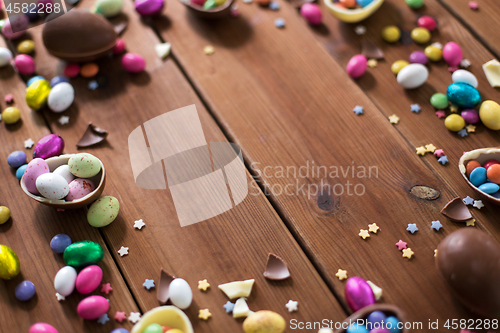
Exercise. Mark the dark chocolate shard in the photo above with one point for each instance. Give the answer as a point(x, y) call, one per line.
point(456, 210)
point(162, 292)
point(370, 50)
point(276, 268)
point(93, 135)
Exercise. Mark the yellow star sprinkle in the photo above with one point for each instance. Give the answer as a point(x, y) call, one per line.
point(470, 223)
point(470, 128)
point(430, 148)
point(373, 228)
point(453, 108)
point(341, 274)
point(363, 233)
point(208, 50)
point(204, 314)
point(372, 63)
point(421, 150)
point(435, 253)
point(407, 253)
point(393, 119)
point(203, 285)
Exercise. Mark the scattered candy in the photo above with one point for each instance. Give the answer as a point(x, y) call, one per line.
point(418, 57)
point(401, 245)
point(364, 234)
point(60, 242)
point(393, 119)
point(28, 143)
point(108, 8)
point(149, 7)
point(25, 291)
point(5, 56)
point(358, 110)
point(443, 160)
point(412, 76)
point(180, 293)
point(273, 5)
point(148, 284)
point(11, 115)
point(421, 150)
point(21, 22)
point(470, 128)
point(430, 148)
point(228, 307)
point(311, 13)
point(358, 293)
point(462, 132)
point(162, 50)
point(134, 317)
point(454, 122)
point(391, 34)
point(412, 227)
point(237, 288)
point(373, 228)
point(103, 319)
point(341, 274)
point(420, 35)
point(398, 65)
point(24, 64)
point(279, 23)
point(33, 79)
point(468, 201)
point(81, 254)
point(360, 30)
point(436, 225)
point(120, 316)
point(440, 114)
point(489, 112)
point(89, 70)
point(415, 4)
point(473, 5)
point(452, 53)
point(292, 305)
point(208, 50)
point(26, 47)
point(106, 288)
point(63, 120)
point(9, 98)
point(439, 101)
point(103, 211)
point(16, 159)
point(427, 22)
point(133, 63)
point(204, 314)
point(139, 224)
point(56, 80)
point(92, 307)
point(264, 321)
point(408, 253)
point(356, 66)
point(123, 251)
point(470, 223)
point(4, 214)
point(372, 63)
point(42, 328)
point(60, 297)
point(61, 97)
point(478, 204)
point(415, 108)
point(65, 280)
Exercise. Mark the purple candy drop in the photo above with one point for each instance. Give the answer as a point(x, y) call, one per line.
point(358, 293)
point(418, 57)
point(49, 146)
point(471, 116)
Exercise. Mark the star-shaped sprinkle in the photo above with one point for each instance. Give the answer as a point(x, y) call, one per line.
point(292, 305)
point(363, 233)
point(204, 314)
point(430, 148)
point(452, 69)
point(120, 316)
point(134, 317)
point(470, 223)
point(372, 63)
point(139, 224)
point(415, 108)
point(443, 160)
point(435, 253)
point(468, 200)
point(148, 284)
point(421, 150)
point(106, 288)
point(228, 307)
point(473, 5)
point(373, 228)
point(9, 98)
point(465, 63)
point(273, 5)
point(470, 128)
point(439, 152)
point(203, 285)
point(103, 319)
point(462, 132)
point(123, 251)
point(436, 225)
point(453, 108)
point(407, 253)
point(401, 245)
point(360, 30)
point(438, 45)
point(358, 109)
point(412, 227)
point(247, 1)
point(279, 23)
point(208, 50)
point(93, 85)
point(440, 114)
point(393, 119)
point(478, 204)
point(28, 143)
point(63, 120)
point(341, 274)
point(60, 297)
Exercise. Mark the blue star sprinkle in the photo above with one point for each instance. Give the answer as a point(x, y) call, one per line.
point(103, 319)
point(436, 225)
point(468, 201)
point(93, 85)
point(148, 284)
point(229, 307)
point(462, 132)
point(274, 5)
point(279, 23)
point(412, 227)
point(443, 160)
point(358, 109)
point(415, 108)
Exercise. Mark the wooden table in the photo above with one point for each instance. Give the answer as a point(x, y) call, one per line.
point(284, 97)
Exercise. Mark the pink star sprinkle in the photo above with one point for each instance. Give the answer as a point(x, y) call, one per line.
point(120, 316)
point(452, 68)
point(9, 98)
point(439, 152)
point(440, 114)
point(473, 5)
point(106, 288)
point(401, 245)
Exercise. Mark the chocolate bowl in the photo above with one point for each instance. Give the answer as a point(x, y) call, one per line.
point(215, 13)
point(53, 163)
point(481, 155)
point(387, 309)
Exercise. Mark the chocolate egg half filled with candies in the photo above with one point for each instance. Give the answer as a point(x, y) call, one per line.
point(468, 260)
point(78, 36)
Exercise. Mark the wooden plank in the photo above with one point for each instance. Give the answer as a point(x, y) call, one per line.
point(287, 103)
point(30, 230)
point(231, 246)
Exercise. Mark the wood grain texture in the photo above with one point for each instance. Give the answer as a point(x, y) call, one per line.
point(286, 102)
point(232, 246)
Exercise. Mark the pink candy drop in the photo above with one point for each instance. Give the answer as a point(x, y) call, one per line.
point(133, 63)
point(311, 13)
point(452, 54)
point(356, 67)
point(25, 64)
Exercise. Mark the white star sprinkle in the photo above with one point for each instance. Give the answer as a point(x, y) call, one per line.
point(465, 63)
point(123, 251)
point(438, 45)
point(134, 317)
point(63, 120)
point(292, 305)
point(478, 204)
point(60, 297)
point(139, 224)
point(28, 143)
point(360, 30)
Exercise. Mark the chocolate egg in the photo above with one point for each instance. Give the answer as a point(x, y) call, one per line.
point(78, 36)
point(468, 260)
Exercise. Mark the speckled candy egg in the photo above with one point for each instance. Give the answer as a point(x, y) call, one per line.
point(463, 76)
point(312, 13)
point(49, 146)
point(92, 307)
point(42, 328)
point(84, 165)
point(452, 53)
point(489, 112)
point(81, 254)
point(412, 76)
point(36, 167)
point(20, 23)
point(37, 94)
point(149, 7)
point(52, 186)
point(88, 279)
point(358, 293)
point(63, 170)
point(133, 63)
point(25, 291)
point(418, 57)
point(9, 263)
point(5, 56)
point(79, 188)
point(60, 242)
point(463, 95)
point(264, 322)
point(108, 8)
point(471, 116)
point(61, 97)
point(16, 158)
point(180, 293)
point(103, 211)
point(24, 64)
point(356, 67)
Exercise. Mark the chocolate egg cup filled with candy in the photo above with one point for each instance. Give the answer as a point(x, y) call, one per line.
point(480, 155)
point(167, 315)
point(387, 309)
point(53, 163)
point(353, 15)
point(214, 13)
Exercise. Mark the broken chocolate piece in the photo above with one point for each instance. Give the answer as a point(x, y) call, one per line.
point(276, 268)
point(93, 135)
point(163, 287)
point(370, 50)
point(456, 210)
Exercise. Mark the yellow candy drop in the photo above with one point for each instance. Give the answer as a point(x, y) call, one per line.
point(26, 47)
point(9, 263)
point(433, 53)
point(420, 35)
point(489, 112)
point(4, 214)
point(11, 115)
point(37, 94)
point(454, 122)
point(398, 65)
point(391, 33)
